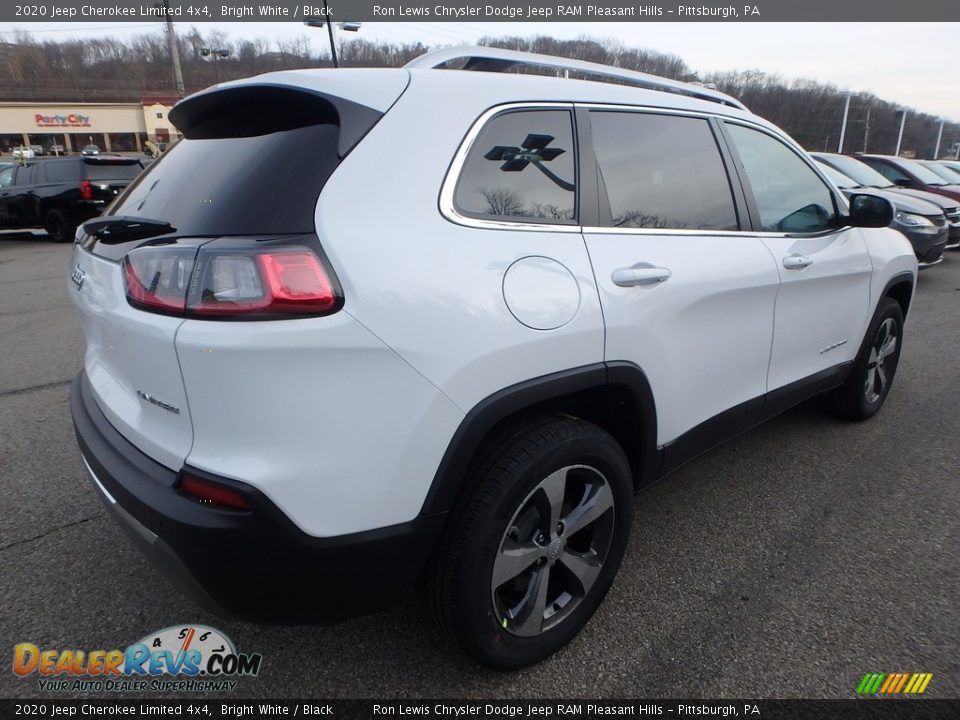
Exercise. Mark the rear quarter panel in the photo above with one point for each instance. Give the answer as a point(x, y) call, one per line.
point(430, 288)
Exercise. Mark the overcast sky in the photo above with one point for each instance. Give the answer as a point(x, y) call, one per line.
point(917, 64)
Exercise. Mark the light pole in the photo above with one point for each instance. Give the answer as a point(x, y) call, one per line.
point(936, 150)
point(866, 129)
point(217, 53)
point(328, 21)
point(843, 125)
point(903, 121)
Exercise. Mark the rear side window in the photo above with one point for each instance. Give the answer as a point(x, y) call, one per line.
point(25, 175)
point(790, 196)
point(521, 168)
point(62, 171)
point(662, 171)
point(111, 170)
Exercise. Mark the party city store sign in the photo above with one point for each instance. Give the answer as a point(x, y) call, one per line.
point(58, 121)
point(184, 658)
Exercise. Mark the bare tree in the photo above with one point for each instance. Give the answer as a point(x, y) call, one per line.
point(108, 69)
point(551, 211)
point(639, 219)
point(503, 201)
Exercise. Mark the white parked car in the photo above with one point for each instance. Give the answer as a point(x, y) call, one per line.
point(23, 153)
point(455, 330)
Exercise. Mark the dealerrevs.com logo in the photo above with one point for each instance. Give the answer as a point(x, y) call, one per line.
point(184, 658)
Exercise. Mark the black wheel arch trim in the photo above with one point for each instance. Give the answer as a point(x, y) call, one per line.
point(901, 278)
point(528, 395)
point(649, 462)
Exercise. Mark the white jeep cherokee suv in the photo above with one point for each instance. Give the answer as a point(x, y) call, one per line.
point(361, 328)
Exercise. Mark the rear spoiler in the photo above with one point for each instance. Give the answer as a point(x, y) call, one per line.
point(288, 100)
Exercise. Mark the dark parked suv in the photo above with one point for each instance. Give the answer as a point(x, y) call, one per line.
point(58, 195)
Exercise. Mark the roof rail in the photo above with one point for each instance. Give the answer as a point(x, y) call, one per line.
point(497, 60)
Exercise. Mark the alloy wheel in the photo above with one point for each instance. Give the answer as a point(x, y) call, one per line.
point(553, 550)
point(878, 366)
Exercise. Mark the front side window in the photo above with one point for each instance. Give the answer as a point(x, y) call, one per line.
point(6, 177)
point(662, 171)
point(521, 168)
point(790, 196)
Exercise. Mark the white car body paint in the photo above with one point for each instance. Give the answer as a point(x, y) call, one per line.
point(342, 421)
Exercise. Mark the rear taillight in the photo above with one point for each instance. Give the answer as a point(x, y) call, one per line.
point(292, 282)
point(231, 282)
point(86, 190)
point(213, 493)
point(158, 278)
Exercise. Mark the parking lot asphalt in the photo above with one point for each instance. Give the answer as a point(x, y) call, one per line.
point(787, 563)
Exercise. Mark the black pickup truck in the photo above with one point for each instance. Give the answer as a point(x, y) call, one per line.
point(59, 194)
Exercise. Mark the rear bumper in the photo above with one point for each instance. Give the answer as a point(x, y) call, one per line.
point(255, 565)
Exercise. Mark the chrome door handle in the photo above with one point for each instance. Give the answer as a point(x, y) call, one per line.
point(796, 262)
point(640, 274)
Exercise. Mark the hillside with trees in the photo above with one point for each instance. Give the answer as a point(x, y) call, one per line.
point(111, 70)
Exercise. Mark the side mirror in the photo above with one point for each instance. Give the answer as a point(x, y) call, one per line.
point(870, 211)
point(901, 182)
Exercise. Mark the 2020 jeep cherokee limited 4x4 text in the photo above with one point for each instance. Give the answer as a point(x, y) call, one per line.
point(367, 327)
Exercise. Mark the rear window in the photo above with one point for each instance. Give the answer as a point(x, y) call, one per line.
point(252, 162)
point(121, 170)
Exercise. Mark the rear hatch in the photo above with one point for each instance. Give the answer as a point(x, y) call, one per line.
point(108, 176)
point(220, 229)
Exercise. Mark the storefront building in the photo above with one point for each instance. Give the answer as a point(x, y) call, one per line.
point(112, 127)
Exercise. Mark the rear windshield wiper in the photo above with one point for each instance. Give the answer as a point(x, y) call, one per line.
point(120, 228)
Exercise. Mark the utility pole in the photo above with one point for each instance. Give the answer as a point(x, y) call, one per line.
point(174, 50)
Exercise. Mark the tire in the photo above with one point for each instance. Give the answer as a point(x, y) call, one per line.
point(862, 394)
point(511, 537)
point(58, 227)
